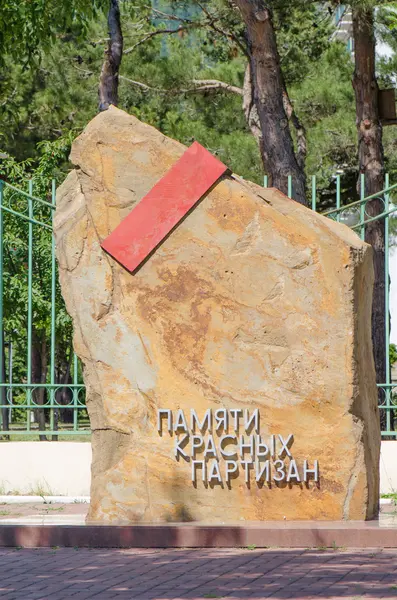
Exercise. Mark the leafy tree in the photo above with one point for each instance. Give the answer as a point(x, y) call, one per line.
point(248, 30)
point(29, 28)
point(393, 354)
point(184, 70)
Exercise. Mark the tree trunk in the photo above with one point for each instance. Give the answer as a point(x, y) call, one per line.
point(277, 148)
point(109, 79)
point(39, 375)
point(371, 162)
point(251, 112)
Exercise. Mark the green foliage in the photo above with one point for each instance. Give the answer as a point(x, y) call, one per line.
point(324, 101)
point(303, 34)
point(390, 496)
point(61, 95)
point(51, 57)
point(29, 27)
point(47, 101)
point(392, 354)
point(216, 120)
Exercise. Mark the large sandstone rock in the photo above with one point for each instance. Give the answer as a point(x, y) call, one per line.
point(252, 302)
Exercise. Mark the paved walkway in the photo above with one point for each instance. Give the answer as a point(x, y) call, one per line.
point(80, 574)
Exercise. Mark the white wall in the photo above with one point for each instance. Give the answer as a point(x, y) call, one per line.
point(64, 468)
point(388, 467)
point(52, 468)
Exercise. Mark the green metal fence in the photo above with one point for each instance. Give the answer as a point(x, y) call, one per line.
point(354, 214)
point(40, 400)
point(41, 390)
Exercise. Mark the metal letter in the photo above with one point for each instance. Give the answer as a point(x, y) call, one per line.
point(261, 448)
point(214, 472)
point(197, 443)
point(285, 443)
point(253, 419)
point(313, 471)
point(263, 471)
point(293, 472)
point(209, 448)
point(272, 446)
point(180, 422)
point(221, 421)
point(250, 446)
point(206, 422)
point(160, 413)
point(247, 464)
point(178, 449)
point(223, 451)
point(236, 412)
point(280, 470)
point(229, 471)
point(195, 465)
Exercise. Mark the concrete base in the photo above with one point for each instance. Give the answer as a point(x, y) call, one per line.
point(181, 535)
point(45, 468)
point(388, 467)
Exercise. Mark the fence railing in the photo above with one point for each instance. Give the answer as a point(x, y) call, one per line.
point(41, 389)
point(355, 215)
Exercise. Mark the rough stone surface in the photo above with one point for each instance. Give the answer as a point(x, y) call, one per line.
point(253, 301)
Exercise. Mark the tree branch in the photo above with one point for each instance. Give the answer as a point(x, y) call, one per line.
point(143, 86)
point(205, 85)
point(199, 85)
point(169, 16)
point(210, 22)
point(228, 34)
point(152, 34)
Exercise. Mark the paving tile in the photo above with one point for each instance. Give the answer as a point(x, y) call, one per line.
point(180, 574)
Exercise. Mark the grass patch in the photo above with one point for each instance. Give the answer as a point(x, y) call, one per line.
point(35, 438)
point(392, 496)
point(251, 547)
point(65, 433)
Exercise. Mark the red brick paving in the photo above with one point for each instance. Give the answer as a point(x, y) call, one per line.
point(231, 574)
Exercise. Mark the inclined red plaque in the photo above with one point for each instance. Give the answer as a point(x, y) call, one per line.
point(164, 206)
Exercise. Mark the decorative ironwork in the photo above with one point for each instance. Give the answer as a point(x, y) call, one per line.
point(25, 223)
point(55, 404)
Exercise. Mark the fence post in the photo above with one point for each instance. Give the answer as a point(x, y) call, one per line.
point(75, 390)
point(289, 186)
point(362, 206)
point(338, 197)
point(3, 392)
point(54, 409)
point(29, 392)
point(387, 321)
point(314, 192)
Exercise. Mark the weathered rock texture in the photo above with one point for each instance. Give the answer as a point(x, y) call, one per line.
point(252, 301)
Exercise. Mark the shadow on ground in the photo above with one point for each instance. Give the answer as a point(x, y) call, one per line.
point(80, 574)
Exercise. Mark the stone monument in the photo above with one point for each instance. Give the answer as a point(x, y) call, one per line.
point(230, 377)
